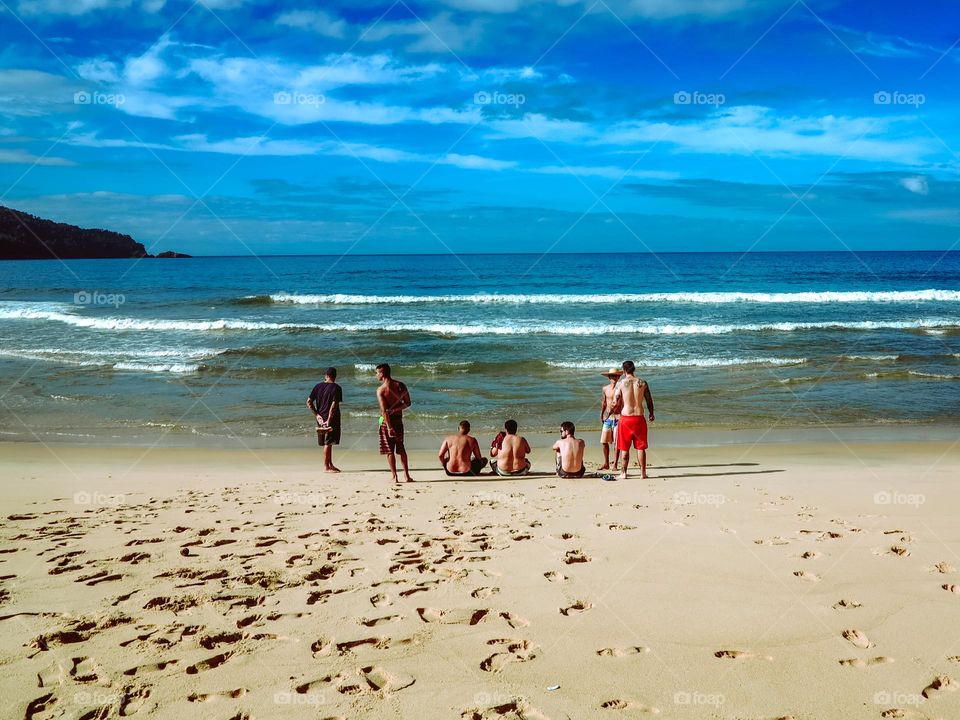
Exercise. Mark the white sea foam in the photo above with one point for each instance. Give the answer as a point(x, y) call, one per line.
point(77, 359)
point(681, 362)
point(877, 358)
point(712, 298)
point(516, 328)
point(934, 376)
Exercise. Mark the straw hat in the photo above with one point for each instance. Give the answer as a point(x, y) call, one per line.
point(612, 372)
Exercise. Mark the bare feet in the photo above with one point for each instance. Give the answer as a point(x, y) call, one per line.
point(606, 467)
point(622, 476)
point(331, 469)
point(644, 476)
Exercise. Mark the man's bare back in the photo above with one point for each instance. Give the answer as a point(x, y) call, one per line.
point(632, 392)
point(571, 453)
point(512, 455)
point(462, 449)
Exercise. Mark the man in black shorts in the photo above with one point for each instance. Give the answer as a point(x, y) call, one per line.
point(324, 402)
point(394, 398)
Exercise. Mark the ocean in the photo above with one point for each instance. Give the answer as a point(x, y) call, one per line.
point(215, 348)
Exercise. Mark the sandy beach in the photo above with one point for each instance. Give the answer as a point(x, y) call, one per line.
point(744, 581)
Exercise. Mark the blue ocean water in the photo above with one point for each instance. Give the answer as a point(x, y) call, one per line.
point(231, 346)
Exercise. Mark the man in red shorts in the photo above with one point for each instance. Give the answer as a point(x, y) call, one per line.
point(394, 398)
point(629, 396)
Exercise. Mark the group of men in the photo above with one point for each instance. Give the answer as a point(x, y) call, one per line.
point(621, 417)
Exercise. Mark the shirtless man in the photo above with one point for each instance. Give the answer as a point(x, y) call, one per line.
point(511, 455)
point(394, 398)
point(460, 454)
point(630, 395)
point(569, 452)
point(609, 418)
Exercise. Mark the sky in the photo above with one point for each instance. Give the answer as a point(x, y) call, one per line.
point(231, 127)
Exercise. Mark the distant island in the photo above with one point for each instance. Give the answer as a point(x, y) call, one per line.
point(27, 237)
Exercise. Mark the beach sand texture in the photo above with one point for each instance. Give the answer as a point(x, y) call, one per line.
point(759, 582)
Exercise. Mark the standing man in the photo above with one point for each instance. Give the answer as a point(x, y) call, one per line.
point(609, 417)
point(460, 454)
point(569, 451)
point(630, 395)
point(394, 398)
point(324, 402)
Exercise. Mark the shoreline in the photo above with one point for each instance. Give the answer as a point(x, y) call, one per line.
point(420, 440)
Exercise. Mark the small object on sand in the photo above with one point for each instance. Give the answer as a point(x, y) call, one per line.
point(608, 478)
point(553, 687)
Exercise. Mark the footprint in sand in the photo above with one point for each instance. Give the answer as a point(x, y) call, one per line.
point(515, 621)
point(740, 655)
point(321, 647)
point(622, 651)
point(575, 556)
point(858, 663)
point(40, 705)
point(810, 555)
point(844, 603)
point(150, 667)
point(213, 697)
point(379, 643)
point(621, 704)
point(805, 575)
point(514, 651)
point(209, 663)
point(380, 600)
point(554, 576)
point(899, 550)
point(940, 684)
point(132, 700)
point(484, 592)
point(951, 588)
point(452, 617)
point(857, 638)
point(380, 679)
point(516, 709)
point(578, 607)
point(943, 567)
point(373, 622)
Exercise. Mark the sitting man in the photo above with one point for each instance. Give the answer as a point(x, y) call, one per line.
point(511, 454)
point(460, 454)
point(569, 452)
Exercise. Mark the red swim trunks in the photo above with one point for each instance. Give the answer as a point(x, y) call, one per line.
point(633, 428)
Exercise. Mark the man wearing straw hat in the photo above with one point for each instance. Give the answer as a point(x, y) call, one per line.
point(609, 419)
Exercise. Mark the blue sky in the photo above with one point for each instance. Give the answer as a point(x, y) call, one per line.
point(235, 126)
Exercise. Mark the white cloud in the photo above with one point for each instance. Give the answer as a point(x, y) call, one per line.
point(916, 184)
point(17, 156)
point(318, 21)
point(439, 34)
point(29, 93)
point(475, 162)
point(610, 172)
point(68, 7)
